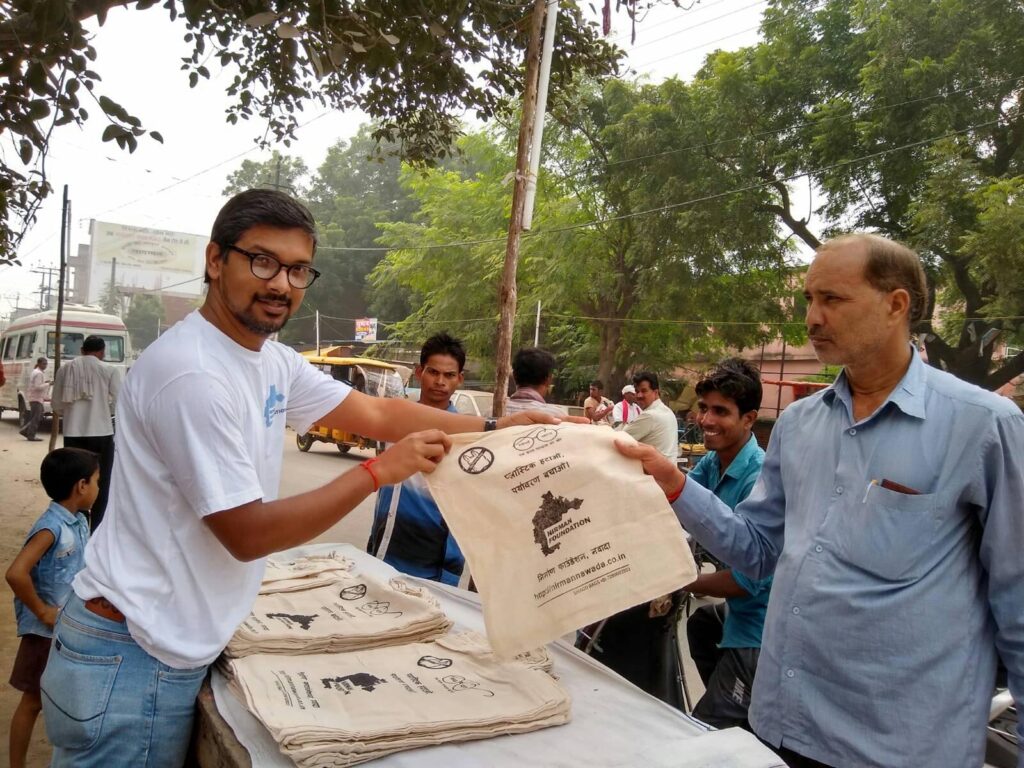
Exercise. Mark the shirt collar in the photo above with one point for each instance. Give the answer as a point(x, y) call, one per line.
point(64, 513)
point(738, 466)
point(527, 393)
point(907, 395)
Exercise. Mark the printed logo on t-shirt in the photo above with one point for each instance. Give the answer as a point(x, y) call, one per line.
point(269, 410)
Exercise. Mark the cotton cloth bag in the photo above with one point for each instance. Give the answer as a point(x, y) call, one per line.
point(303, 573)
point(352, 611)
point(559, 529)
point(347, 708)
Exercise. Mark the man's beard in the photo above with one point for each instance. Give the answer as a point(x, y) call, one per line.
point(263, 328)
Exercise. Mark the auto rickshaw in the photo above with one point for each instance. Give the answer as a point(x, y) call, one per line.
point(372, 377)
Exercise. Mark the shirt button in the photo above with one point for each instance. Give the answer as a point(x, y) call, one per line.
point(818, 548)
point(790, 673)
point(839, 490)
point(853, 431)
point(796, 610)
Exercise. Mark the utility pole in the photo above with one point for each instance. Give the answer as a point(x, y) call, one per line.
point(507, 295)
point(550, 23)
point(54, 418)
point(45, 285)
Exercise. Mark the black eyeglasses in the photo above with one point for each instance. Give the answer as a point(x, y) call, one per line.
point(266, 267)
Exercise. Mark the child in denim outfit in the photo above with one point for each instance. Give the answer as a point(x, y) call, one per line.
point(41, 577)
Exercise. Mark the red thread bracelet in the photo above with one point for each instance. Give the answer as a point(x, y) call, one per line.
point(367, 466)
point(677, 494)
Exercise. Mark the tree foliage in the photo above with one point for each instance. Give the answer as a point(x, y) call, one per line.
point(143, 320)
point(614, 279)
point(906, 115)
point(414, 69)
point(283, 172)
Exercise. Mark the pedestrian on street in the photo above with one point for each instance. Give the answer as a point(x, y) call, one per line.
point(84, 395)
point(193, 510)
point(889, 509)
point(36, 395)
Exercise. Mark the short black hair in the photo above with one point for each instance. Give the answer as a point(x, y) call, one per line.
point(532, 366)
point(597, 384)
point(40, 360)
point(443, 344)
point(254, 207)
point(649, 376)
point(735, 379)
point(63, 468)
point(93, 344)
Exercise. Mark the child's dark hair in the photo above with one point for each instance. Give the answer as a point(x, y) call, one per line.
point(63, 468)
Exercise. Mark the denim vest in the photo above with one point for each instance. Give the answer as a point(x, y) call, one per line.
point(53, 574)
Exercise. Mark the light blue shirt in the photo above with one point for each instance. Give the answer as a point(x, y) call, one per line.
point(744, 621)
point(52, 575)
point(880, 640)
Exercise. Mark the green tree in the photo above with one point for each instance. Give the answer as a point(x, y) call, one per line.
point(143, 320)
point(906, 117)
point(110, 299)
point(282, 172)
point(355, 192)
point(602, 264)
point(414, 69)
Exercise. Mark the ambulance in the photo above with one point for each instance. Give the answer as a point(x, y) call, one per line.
point(33, 336)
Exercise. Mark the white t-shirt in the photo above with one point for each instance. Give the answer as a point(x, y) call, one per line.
point(200, 429)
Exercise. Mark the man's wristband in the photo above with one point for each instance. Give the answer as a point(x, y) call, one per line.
point(677, 494)
point(490, 424)
point(368, 466)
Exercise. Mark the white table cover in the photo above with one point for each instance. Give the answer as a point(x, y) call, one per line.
point(614, 723)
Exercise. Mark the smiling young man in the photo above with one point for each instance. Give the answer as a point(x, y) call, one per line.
point(408, 531)
point(193, 509)
point(725, 638)
point(889, 510)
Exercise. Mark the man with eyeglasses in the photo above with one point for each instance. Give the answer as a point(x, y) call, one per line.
point(193, 509)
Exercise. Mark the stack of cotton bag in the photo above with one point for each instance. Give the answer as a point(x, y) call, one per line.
point(347, 708)
point(350, 612)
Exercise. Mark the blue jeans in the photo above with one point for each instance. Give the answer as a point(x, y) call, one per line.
point(106, 702)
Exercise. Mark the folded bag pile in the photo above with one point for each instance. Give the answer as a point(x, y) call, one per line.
point(303, 573)
point(347, 708)
point(350, 612)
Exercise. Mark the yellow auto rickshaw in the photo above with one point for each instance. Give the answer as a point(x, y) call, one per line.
point(372, 377)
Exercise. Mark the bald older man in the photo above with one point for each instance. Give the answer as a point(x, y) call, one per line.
point(890, 509)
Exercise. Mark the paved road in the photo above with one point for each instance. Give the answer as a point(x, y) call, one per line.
point(303, 472)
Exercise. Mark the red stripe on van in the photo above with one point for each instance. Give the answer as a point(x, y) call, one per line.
point(67, 324)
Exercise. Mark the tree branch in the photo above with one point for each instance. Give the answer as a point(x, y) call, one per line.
point(785, 212)
point(1006, 372)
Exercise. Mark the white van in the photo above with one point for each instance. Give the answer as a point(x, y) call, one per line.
point(33, 336)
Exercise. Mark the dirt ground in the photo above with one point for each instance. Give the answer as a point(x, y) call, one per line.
point(22, 500)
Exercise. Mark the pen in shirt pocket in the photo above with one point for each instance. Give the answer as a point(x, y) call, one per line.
point(889, 485)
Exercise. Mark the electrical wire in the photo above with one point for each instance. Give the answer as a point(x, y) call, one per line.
point(664, 208)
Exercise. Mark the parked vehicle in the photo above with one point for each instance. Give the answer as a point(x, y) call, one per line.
point(33, 336)
point(372, 377)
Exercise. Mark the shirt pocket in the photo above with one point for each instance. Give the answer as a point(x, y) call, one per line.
point(891, 534)
point(66, 560)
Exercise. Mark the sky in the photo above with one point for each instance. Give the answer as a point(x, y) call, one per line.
point(177, 185)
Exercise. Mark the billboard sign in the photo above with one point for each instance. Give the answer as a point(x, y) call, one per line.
point(366, 329)
point(144, 248)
